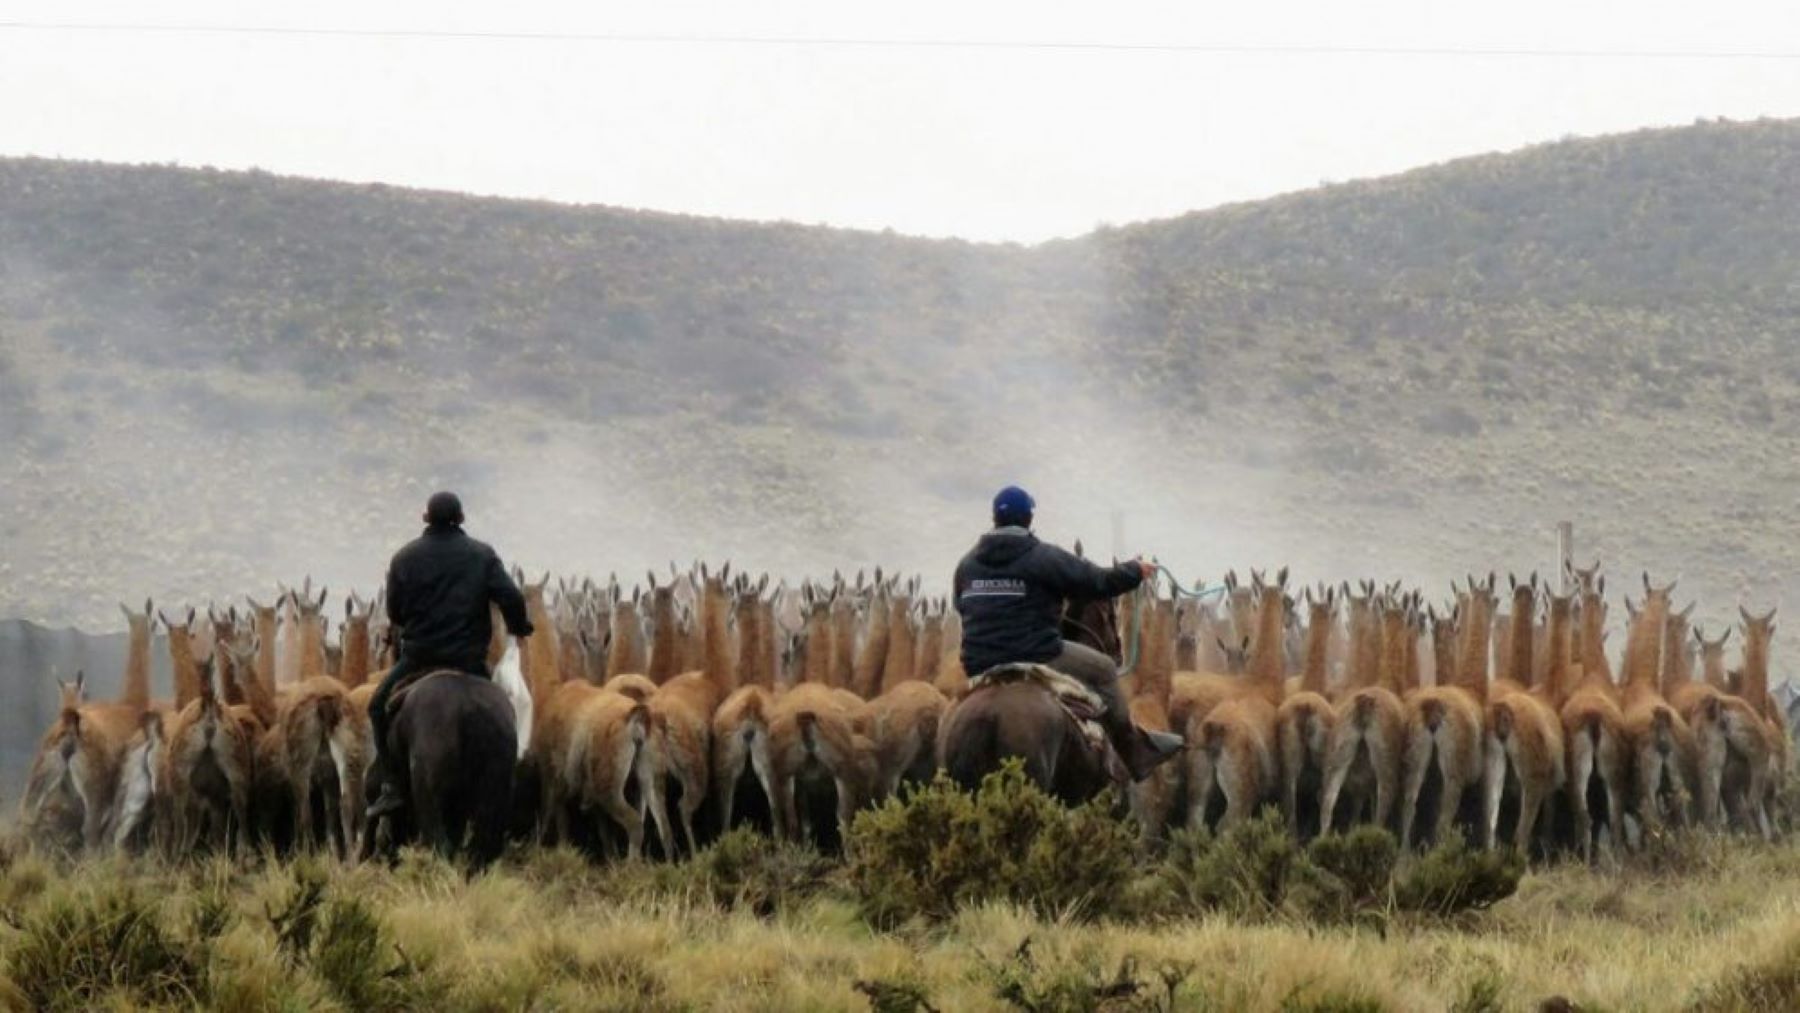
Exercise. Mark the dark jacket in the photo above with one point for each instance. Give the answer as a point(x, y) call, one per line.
point(1010, 590)
point(438, 589)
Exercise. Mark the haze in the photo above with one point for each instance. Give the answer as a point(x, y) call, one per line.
point(979, 141)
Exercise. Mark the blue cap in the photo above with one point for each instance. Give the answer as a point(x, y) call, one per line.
point(1013, 505)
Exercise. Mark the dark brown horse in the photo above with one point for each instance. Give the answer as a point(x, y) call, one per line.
point(1022, 719)
point(452, 735)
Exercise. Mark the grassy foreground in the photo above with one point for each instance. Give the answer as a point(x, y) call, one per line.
point(1704, 923)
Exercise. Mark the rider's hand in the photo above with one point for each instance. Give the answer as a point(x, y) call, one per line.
point(1146, 569)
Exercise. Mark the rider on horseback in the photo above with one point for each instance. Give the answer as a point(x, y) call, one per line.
point(438, 589)
point(1010, 590)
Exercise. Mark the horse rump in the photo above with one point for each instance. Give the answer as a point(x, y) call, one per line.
point(454, 737)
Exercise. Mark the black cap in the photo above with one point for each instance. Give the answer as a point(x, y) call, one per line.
point(443, 508)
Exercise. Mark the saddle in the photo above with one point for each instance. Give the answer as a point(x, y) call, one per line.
point(1082, 704)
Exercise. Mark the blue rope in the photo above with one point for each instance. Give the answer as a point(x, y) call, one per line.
point(1198, 591)
point(1135, 638)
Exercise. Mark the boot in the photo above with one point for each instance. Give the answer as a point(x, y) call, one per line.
point(1140, 749)
point(391, 799)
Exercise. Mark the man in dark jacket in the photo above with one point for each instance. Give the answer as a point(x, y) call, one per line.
point(438, 590)
point(1010, 591)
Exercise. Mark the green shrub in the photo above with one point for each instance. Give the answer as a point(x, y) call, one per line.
point(744, 869)
point(1362, 860)
point(1452, 878)
point(357, 962)
point(1067, 983)
point(935, 849)
point(298, 916)
point(899, 994)
point(1483, 995)
point(78, 948)
point(1246, 871)
point(1302, 1001)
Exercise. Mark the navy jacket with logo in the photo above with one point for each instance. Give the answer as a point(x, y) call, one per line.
point(1010, 590)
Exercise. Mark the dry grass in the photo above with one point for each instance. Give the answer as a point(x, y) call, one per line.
point(547, 931)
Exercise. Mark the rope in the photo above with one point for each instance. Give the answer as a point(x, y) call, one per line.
point(1135, 638)
point(1198, 591)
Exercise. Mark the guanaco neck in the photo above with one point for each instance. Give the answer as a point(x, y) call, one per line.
point(1676, 668)
point(1712, 663)
point(181, 662)
point(1472, 667)
point(265, 647)
point(1394, 631)
point(353, 668)
point(1524, 608)
point(1556, 674)
point(1595, 669)
point(1268, 665)
point(136, 693)
point(1644, 646)
point(1318, 648)
point(1156, 651)
point(1755, 676)
point(1443, 651)
point(716, 648)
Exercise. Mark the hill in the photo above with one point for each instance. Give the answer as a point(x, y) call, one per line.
point(210, 380)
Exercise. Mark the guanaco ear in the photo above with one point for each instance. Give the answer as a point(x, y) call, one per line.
point(130, 616)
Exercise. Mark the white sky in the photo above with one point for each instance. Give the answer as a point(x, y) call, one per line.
point(986, 143)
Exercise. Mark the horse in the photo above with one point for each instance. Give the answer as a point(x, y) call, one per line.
point(1023, 718)
point(454, 735)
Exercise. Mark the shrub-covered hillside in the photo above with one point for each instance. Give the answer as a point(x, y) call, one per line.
point(212, 380)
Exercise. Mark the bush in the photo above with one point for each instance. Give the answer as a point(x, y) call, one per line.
point(1246, 871)
point(935, 849)
point(360, 966)
point(1452, 878)
point(744, 869)
point(1361, 860)
point(1067, 984)
point(79, 948)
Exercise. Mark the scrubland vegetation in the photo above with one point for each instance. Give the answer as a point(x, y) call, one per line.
point(1000, 901)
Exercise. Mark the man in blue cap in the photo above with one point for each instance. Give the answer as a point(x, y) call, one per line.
point(1010, 590)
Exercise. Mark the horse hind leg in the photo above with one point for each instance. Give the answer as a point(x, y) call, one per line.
point(430, 819)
